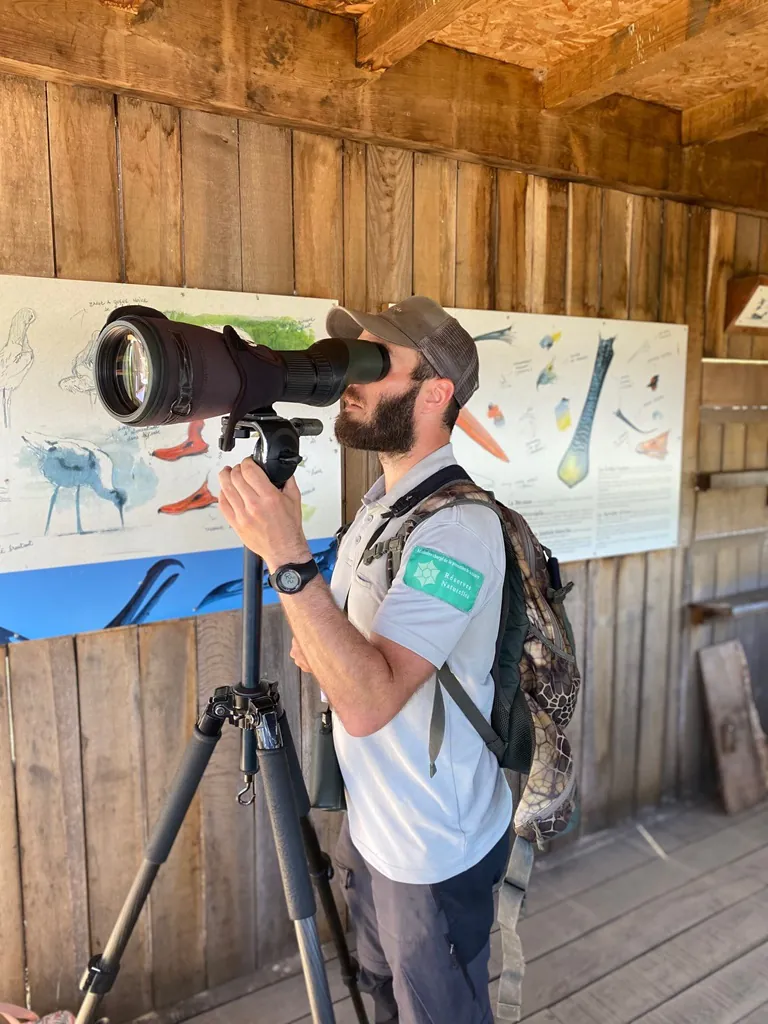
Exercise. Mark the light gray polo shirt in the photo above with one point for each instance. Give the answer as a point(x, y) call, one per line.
point(444, 605)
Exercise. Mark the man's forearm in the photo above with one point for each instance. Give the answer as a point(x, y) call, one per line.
point(354, 675)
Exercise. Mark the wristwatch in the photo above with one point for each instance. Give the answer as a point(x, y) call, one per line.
point(293, 577)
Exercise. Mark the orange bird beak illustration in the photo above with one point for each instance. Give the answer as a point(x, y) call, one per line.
point(473, 428)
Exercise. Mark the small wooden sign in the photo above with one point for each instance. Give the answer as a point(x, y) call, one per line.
point(746, 304)
point(740, 746)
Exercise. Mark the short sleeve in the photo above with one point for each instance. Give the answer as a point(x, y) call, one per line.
point(452, 566)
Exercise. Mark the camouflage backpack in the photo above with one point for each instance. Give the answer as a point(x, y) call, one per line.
point(536, 681)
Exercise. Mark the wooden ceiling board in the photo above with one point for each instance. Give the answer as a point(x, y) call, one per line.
point(708, 68)
point(539, 33)
point(346, 8)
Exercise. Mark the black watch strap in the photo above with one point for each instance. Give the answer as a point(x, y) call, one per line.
point(292, 577)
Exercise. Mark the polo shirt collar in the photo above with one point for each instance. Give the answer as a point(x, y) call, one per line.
point(436, 460)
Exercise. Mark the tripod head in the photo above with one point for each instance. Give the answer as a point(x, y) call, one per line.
point(277, 440)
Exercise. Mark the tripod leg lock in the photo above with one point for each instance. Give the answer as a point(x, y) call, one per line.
point(326, 871)
point(97, 977)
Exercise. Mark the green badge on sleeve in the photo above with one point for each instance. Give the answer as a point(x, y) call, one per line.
point(440, 576)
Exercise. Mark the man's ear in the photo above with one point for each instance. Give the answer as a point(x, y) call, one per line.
point(438, 392)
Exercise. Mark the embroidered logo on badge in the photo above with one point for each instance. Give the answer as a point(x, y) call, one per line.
point(442, 577)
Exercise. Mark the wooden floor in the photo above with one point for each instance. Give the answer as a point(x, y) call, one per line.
point(666, 927)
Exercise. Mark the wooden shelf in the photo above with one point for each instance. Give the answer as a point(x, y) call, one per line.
point(734, 606)
point(731, 480)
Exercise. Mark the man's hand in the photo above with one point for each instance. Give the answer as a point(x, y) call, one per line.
point(299, 656)
point(267, 520)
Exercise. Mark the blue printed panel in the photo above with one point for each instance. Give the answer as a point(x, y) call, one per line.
point(41, 603)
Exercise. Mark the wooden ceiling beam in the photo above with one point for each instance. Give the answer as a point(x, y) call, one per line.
point(733, 113)
point(392, 29)
point(283, 64)
point(647, 46)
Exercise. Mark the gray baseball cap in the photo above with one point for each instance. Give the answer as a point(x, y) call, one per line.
point(418, 323)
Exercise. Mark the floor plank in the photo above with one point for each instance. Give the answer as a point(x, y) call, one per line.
point(722, 998)
point(557, 975)
point(663, 973)
point(615, 933)
point(602, 903)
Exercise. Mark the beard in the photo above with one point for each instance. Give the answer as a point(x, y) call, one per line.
point(390, 429)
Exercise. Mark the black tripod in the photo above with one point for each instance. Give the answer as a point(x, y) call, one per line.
point(266, 744)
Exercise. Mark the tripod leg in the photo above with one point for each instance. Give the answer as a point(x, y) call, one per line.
point(102, 969)
point(299, 896)
point(320, 872)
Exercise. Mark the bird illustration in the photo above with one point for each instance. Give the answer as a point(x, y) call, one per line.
point(82, 380)
point(16, 358)
point(67, 463)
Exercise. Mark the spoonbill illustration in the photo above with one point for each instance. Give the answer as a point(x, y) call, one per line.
point(75, 464)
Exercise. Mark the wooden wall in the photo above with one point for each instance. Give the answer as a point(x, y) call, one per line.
point(111, 188)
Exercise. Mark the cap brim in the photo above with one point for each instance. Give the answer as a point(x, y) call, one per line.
point(349, 323)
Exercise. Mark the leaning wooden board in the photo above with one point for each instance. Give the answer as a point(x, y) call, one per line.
point(738, 740)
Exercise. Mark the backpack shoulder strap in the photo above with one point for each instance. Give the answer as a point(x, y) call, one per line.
point(511, 899)
point(446, 679)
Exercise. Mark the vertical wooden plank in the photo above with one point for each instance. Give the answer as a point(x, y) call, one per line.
point(642, 635)
point(629, 622)
point(598, 695)
point(213, 259)
point(11, 913)
point(168, 684)
point(318, 211)
point(435, 186)
point(615, 262)
point(26, 240)
point(653, 784)
point(475, 236)
point(228, 832)
point(317, 215)
point(360, 469)
point(150, 174)
point(389, 202)
point(646, 258)
point(601, 637)
point(727, 572)
point(557, 247)
point(511, 284)
point(547, 216)
point(696, 758)
point(114, 794)
point(722, 237)
point(266, 208)
point(81, 125)
point(582, 298)
point(662, 623)
point(643, 284)
point(355, 237)
point(583, 270)
point(746, 256)
point(679, 625)
point(690, 721)
point(275, 932)
point(49, 789)
point(26, 247)
point(150, 151)
point(211, 197)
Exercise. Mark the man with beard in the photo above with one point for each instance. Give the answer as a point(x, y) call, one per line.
point(423, 845)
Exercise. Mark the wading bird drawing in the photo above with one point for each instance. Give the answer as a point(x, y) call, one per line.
point(75, 464)
point(16, 358)
point(81, 381)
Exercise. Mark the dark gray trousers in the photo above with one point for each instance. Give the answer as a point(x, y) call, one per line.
point(423, 949)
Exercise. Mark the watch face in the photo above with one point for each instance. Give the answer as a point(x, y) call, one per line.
point(289, 580)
